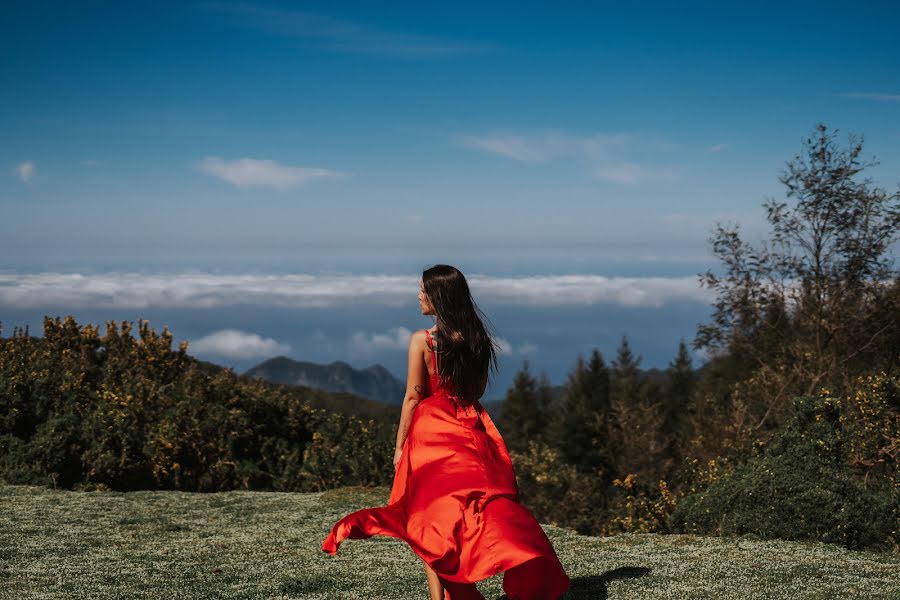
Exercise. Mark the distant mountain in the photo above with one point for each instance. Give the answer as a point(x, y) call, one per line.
point(375, 382)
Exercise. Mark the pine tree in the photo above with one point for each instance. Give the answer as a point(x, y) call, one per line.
point(625, 382)
point(677, 399)
point(523, 413)
point(578, 429)
point(544, 400)
point(624, 399)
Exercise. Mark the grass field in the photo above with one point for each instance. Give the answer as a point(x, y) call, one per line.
point(60, 544)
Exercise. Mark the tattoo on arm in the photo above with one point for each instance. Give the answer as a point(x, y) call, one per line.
point(418, 389)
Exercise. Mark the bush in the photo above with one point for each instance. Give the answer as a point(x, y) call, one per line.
point(801, 487)
point(84, 411)
point(556, 492)
point(640, 510)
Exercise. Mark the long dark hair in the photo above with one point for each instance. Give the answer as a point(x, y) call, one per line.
point(467, 352)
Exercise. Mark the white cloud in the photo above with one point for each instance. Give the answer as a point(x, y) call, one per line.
point(397, 338)
point(507, 349)
point(717, 147)
point(604, 153)
point(392, 339)
point(503, 346)
point(247, 172)
point(208, 290)
point(26, 170)
point(235, 344)
point(876, 97)
point(528, 348)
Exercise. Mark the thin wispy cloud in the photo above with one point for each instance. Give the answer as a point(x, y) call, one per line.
point(870, 96)
point(548, 146)
point(342, 35)
point(603, 153)
point(135, 290)
point(26, 171)
point(629, 173)
point(251, 172)
point(519, 147)
point(236, 344)
point(717, 147)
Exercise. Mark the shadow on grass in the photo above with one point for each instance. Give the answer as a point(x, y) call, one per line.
point(594, 586)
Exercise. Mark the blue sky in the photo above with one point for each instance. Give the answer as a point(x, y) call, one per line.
point(522, 138)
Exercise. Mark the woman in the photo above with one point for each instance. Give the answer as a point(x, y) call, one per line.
point(454, 498)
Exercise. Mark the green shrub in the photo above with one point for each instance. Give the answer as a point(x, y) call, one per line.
point(557, 493)
point(800, 487)
point(84, 411)
point(345, 451)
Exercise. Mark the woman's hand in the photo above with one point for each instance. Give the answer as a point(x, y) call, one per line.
point(397, 453)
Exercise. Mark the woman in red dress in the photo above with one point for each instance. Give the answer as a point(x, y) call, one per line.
point(454, 497)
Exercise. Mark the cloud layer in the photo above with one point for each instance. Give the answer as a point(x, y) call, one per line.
point(205, 290)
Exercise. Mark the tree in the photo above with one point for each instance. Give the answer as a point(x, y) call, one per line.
point(680, 387)
point(816, 303)
point(523, 413)
point(579, 427)
point(636, 419)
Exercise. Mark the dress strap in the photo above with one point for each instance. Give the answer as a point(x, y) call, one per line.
point(433, 353)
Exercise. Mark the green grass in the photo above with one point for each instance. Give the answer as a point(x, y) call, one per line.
point(61, 544)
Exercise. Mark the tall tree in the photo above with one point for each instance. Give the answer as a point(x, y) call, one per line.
point(579, 427)
point(523, 412)
point(626, 375)
point(816, 303)
point(635, 431)
point(679, 388)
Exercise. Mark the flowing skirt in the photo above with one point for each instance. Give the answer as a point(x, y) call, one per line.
point(454, 500)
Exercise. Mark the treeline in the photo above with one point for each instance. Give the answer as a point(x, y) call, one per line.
point(620, 453)
point(82, 410)
point(791, 430)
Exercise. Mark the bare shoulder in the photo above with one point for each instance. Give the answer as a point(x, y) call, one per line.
point(417, 338)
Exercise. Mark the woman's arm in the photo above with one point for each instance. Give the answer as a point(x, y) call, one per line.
point(415, 387)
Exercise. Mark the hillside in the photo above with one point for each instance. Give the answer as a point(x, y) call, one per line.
point(375, 382)
point(144, 544)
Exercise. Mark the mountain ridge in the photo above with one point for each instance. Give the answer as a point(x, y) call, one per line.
point(374, 382)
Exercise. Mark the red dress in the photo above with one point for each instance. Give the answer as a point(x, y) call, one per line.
point(454, 500)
